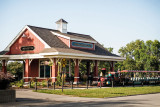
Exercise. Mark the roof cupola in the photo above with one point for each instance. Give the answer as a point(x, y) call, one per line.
point(62, 25)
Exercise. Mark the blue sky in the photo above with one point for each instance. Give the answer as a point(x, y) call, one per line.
point(113, 23)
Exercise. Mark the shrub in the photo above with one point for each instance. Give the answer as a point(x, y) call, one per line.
point(38, 84)
point(33, 84)
point(85, 78)
point(12, 83)
point(59, 80)
point(33, 79)
point(44, 83)
point(5, 80)
point(20, 84)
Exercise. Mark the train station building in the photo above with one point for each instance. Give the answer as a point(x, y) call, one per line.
point(40, 47)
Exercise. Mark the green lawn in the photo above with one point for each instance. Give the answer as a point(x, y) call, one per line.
point(105, 92)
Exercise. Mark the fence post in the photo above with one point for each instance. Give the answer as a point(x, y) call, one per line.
point(29, 84)
point(123, 83)
point(72, 84)
point(54, 85)
point(100, 83)
point(133, 83)
point(112, 83)
point(142, 83)
point(77, 83)
point(47, 84)
point(87, 84)
point(36, 86)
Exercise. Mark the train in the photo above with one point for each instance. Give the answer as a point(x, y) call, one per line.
point(129, 77)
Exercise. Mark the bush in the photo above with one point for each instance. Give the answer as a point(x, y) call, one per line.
point(20, 84)
point(59, 81)
point(12, 83)
point(85, 77)
point(5, 80)
point(44, 83)
point(33, 84)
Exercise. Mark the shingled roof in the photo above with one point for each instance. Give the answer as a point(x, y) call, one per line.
point(58, 46)
point(3, 52)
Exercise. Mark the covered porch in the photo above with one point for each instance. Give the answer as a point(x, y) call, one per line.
point(48, 65)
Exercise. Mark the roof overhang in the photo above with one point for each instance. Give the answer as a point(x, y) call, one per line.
point(61, 55)
point(20, 57)
point(81, 56)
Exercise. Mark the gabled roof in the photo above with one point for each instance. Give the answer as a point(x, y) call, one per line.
point(53, 41)
point(56, 45)
point(48, 37)
point(46, 33)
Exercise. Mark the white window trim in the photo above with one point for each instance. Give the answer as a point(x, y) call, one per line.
point(44, 70)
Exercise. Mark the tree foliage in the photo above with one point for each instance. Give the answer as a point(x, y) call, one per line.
point(15, 68)
point(140, 55)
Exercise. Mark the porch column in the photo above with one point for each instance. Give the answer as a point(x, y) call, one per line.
point(95, 78)
point(112, 66)
point(76, 71)
point(27, 70)
point(88, 68)
point(4, 66)
point(54, 70)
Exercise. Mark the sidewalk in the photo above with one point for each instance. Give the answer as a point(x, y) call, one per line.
point(27, 98)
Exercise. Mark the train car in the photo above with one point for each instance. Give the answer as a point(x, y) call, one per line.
point(128, 77)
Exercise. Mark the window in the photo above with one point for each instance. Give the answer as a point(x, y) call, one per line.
point(45, 71)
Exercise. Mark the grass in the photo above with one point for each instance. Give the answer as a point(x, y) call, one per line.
point(105, 92)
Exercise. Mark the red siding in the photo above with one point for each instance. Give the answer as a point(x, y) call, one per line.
point(30, 40)
point(34, 68)
point(66, 41)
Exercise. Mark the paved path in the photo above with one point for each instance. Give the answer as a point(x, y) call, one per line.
point(27, 98)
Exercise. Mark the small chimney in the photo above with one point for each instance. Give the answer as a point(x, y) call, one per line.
point(62, 26)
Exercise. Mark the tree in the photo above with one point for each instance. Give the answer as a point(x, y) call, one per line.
point(15, 68)
point(141, 55)
point(110, 49)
